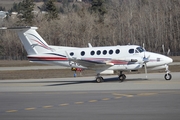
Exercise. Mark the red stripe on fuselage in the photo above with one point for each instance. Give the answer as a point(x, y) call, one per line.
point(118, 62)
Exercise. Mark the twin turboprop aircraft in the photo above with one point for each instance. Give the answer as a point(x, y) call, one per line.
point(103, 60)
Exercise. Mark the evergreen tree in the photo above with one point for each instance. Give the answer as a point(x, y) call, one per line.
point(2, 8)
point(51, 9)
point(25, 13)
point(98, 7)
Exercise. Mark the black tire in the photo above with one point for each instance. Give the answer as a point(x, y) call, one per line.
point(99, 79)
point(167, 76)
point(122, 77)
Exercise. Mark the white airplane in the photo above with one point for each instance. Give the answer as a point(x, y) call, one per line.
point(104, 60)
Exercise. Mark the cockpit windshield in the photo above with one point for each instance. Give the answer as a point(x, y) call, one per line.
point(140, 49)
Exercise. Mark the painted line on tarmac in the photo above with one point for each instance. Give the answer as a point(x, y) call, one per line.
point(48, 106)
point(11, 111)
point(146, 94)
point(79, 102)
point(105, 99)
point(123, 95)
point(32, 108)
point(116, 96)
point(91, 101)
point(64, 104)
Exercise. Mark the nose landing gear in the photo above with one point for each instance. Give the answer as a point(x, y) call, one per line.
point(167, 76)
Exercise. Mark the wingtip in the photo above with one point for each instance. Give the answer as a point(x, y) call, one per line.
point(3, 28)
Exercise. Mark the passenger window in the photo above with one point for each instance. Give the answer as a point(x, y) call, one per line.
point(92, 52)
point(104, 52)
point(131, 51)
point(82, 53)
point(117, 51)
point(110, 52)
point(71, 54)
point(98, 52)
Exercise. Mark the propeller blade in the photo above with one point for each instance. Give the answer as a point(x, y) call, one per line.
point(145, 67)
point(146, 59)
point(143, 46)
point(144, 51)
point(163, 48)
point(168, 52)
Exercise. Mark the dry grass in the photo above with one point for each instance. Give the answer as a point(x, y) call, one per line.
point(17, 63)
point(40, 74)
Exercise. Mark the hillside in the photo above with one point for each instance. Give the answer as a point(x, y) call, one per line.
point(154, 23)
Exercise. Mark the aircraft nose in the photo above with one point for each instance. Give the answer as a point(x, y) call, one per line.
point(169, 60)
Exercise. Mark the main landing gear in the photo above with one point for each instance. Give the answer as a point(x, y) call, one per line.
point(99, 79)
point(121, 77)
point(167, 76)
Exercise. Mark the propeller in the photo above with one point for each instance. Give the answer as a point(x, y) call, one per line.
point(164, 50)
point(145, 60)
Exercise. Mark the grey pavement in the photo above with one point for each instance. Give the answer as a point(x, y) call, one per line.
point(82, 98)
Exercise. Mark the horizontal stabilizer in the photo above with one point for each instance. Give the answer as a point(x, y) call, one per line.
point(18, 28)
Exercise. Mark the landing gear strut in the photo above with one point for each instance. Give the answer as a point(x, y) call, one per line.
point(122, 77)
point(167, 76)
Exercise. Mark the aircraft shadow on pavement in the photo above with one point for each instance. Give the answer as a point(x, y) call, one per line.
point(114, 79)
point(71, 82)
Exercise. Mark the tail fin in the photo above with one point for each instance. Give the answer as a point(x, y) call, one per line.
point(32, 41)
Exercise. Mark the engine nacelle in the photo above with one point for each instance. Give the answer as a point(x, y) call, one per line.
point(134, 59)
point(107, 72)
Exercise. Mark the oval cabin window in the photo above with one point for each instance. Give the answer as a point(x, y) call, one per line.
point(82, 53)
point(98, 52)
point(110, 52)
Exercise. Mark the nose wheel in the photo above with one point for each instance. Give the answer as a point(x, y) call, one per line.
point(167, 76)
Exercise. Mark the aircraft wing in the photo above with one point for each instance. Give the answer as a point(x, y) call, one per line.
point(95, 63)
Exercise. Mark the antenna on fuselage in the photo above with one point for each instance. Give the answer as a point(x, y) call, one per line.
point(89, 45)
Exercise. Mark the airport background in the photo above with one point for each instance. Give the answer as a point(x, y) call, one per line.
point(155, 23)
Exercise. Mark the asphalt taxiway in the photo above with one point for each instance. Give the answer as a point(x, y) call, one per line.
point(82, 98)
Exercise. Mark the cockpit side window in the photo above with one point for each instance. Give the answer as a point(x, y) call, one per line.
point(140, 49)
point(131, 51)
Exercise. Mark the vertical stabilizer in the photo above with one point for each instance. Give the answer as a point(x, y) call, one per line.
point(32, 41)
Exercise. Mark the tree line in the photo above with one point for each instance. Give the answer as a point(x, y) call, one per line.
point(101, 23)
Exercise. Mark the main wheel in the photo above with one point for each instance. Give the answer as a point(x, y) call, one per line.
point(122, 77)
point(168, 76)
point(99, 79)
